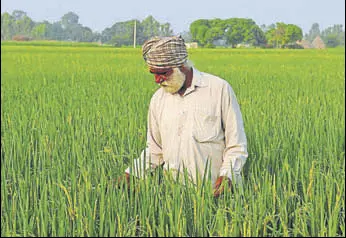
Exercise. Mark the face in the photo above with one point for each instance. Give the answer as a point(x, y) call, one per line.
point(171, 80)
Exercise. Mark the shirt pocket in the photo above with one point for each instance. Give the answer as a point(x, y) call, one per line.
point(206, 127)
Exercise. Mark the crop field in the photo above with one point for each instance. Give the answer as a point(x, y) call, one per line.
point(74, 118)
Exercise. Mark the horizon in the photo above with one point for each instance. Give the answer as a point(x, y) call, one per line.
point(267, 12)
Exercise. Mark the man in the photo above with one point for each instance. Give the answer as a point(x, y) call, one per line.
point(194, 119)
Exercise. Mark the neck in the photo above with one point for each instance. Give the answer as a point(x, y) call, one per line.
point(188, 79)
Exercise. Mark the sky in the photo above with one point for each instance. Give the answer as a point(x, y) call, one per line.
point(99, 14)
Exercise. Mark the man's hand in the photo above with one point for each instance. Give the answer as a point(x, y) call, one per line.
point(220, 185)
point(124, 181)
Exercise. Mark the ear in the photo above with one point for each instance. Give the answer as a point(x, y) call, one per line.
point(185, 69)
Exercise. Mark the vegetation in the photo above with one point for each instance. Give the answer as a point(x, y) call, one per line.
point(208, 33)
point(333, 36)
point(73, 118)
point(233, 31)
point(19, 25)
point(284, 34)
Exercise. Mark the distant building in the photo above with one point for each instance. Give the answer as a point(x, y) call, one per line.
point(306, 44)
point(243, 45)
point(191, 45)
point(318, 43)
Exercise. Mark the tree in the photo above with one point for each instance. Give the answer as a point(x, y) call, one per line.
point(216, 33)
point(230, 32)
point(198, 31)
point(20, 25)
point(39, 31)
point(263, 27)
point(151, 27)
point(331, 40)
point(313, 32)
point(121, 33)
point(23, 26)
point(55, 31)
point(165, 29)
point(235, 31)
point(333, 35)
point(186, 35)
point(72, 30)
point(283, 34)
point(7, 22)
point(87, 35)
point(293, 33)
point(69, 19)
point(106, 35)
point(18, 15)
point(255, 35)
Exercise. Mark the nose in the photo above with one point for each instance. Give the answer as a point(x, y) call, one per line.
point(159, 78)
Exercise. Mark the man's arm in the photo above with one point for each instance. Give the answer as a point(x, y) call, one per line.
point(235, 153)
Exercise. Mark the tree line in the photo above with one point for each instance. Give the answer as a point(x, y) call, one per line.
point(69, 29)
point(333, 36)
point(230, 32)
point(235, 31)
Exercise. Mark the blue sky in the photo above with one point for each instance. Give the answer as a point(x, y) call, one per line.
point(99, 14)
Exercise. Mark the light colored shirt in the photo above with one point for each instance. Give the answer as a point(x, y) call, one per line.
point(186, 132)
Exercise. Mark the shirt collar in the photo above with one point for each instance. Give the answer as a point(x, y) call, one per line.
point(197, 81)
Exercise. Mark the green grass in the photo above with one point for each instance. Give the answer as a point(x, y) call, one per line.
point(73, 118)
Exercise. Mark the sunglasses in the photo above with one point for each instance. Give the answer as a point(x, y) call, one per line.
point(161, 75)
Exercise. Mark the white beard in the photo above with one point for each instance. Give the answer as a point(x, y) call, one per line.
point(174, 82)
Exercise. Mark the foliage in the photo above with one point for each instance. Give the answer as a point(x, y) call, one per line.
point(334, 35)
point(122, 33)
point(208, 33)
point(292, 46)
point(39, 31)
point(7, 28)
point(313, 32)
point(233, 31)
point(67, 28)
point(284, 34)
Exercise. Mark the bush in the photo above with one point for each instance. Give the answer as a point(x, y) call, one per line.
point(267, 46)
point(292, 46)
point(209, 45)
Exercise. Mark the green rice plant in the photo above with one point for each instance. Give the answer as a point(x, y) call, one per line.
point(73, 118)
